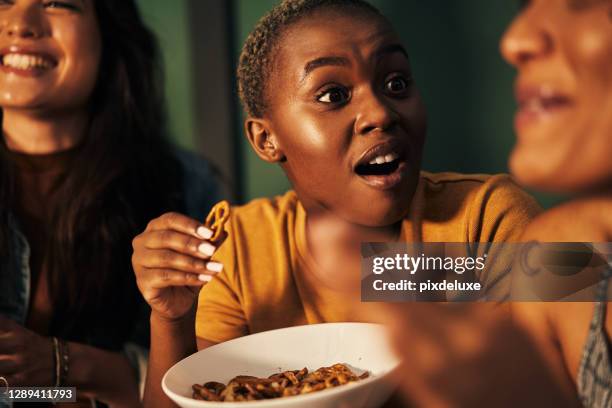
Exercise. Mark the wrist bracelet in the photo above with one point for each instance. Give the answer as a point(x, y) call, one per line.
point(57, 361)
point(64, 360)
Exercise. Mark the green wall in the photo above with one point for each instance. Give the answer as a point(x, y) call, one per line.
point(261, 179)
point(169, 20)
point(454, 51)
point(466, 85)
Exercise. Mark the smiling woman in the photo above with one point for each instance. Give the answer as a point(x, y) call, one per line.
point(55, 72)
point(84, 164)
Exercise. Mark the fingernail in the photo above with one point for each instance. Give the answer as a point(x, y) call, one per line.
point(206, 248)
point(205, 278)
point(214, 266)
point(204, 232)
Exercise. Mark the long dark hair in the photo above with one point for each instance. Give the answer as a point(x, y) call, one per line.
point(123, 176)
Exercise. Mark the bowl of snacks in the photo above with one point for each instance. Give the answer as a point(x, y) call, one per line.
point(320, 365)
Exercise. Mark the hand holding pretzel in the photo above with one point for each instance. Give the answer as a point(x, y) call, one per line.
point(171, 259)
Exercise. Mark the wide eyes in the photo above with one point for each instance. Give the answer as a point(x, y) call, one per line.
point(395, 86)
point(334, 95)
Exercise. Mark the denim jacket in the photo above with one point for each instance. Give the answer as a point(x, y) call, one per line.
point(200, 191)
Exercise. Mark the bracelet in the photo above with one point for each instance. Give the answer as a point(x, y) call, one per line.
point(56, 360)
point(64, 360)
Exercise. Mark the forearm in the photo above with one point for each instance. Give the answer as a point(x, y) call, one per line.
point(171, 341)
point(103, 375)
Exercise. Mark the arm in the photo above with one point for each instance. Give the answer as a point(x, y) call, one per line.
point(27, 359)
point(171, 341)
point(103, 375)
point(171, 261)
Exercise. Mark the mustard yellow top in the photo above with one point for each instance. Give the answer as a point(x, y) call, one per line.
point(266, 283)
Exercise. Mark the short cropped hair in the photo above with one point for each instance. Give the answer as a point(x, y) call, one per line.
point(257, 56)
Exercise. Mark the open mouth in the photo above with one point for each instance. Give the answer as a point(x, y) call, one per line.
point(381, 165)
point(537, 103)
point(540, 104)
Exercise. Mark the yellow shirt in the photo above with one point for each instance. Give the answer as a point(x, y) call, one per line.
point(265, 283)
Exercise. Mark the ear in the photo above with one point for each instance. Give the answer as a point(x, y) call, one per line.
point(263, 140)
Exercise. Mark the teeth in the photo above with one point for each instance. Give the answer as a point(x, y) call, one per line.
point(384, 159)
point(534, 104)
point(26, 61)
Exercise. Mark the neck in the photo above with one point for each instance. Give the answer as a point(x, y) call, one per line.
point(30, 133)
point(325, 229)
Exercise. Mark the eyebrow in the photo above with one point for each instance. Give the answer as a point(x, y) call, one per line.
point(583, 4)
point(324, 62)
point(343, 62)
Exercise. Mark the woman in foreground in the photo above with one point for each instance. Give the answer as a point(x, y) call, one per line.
point(554, 354)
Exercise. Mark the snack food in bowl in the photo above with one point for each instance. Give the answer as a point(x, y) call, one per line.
point(278, 385)
point(359, 347)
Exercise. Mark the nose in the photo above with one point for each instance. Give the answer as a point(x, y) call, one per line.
point(375, 114)
point(23, 21)
point(526, 39)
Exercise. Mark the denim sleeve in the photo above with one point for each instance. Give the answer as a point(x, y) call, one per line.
point(200, 184)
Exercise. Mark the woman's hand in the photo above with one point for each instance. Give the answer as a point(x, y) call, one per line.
point(171, 261)
point(471, 355)
point(26, 358)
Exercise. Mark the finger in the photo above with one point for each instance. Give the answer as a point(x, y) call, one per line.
point(180, 223)
point(179, 242)
point(168, 259)
point(163, 278)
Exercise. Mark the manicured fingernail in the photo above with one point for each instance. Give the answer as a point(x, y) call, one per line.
point(204, 232)
point(206, 248)
point(214, 266)
point(205, 278)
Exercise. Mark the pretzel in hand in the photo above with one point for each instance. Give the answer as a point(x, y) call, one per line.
point(216, 219)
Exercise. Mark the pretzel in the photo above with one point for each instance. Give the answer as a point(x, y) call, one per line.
point(285, 384)
point(216, 219)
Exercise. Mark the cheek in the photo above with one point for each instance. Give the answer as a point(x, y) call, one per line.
point(315, 146)
point(594, 52)
point(82, 49)
point(314, 136)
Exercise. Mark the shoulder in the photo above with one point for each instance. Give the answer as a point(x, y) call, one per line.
point(262, 212)
point(200, 183)
point(583, 220)
point(472, 184)
point(498, 190)
point(258, 229)
point(492, 207)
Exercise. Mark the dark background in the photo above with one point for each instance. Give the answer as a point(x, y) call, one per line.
point(453, 45)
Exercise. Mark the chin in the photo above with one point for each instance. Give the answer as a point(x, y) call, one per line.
point(558, 179)
point(384, 211)
point(532, 173)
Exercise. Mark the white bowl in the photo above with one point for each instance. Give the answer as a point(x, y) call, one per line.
point(362, 346)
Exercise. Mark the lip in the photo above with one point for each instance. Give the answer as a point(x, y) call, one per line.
point(387, 181)
point(27, 50)
point(538, 103)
